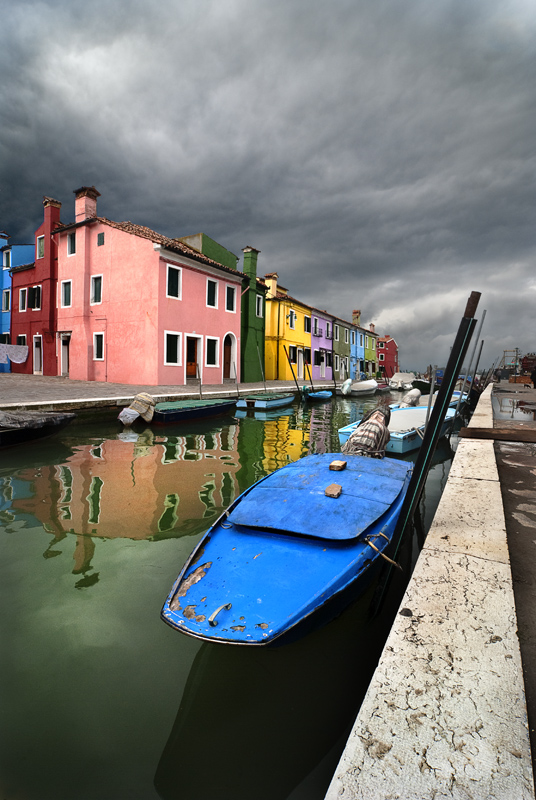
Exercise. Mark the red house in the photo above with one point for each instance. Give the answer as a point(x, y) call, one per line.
point(33, 311)
point(387, 356)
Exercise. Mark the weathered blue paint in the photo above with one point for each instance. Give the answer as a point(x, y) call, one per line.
point(323, 395)
point(285, 549)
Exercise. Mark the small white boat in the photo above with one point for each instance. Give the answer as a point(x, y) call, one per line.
point(402, 381)
point(406, 428)
point(423, 401)
point(364, 388)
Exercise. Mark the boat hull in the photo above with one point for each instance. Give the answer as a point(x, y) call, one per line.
point(182, 411)
point(259, 401)
point(44, 424)
point(285, 552)
point(318, 396)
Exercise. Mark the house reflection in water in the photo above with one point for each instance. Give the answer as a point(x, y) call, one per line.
point(135, 486)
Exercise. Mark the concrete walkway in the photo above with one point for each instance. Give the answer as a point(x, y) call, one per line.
point(445, 715)
point(35, 392)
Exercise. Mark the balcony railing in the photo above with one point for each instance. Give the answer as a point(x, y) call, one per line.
point(317, 331)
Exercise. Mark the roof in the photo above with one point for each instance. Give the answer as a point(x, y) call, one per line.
point(22, 267)
point(176, 245)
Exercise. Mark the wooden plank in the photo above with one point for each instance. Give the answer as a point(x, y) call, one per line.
point(500, 434)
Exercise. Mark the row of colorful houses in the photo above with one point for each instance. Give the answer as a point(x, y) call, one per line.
point(99, 300)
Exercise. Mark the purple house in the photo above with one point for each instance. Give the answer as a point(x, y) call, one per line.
point(321, 344)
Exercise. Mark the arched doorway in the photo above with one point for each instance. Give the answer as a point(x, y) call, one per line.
point(228, 358)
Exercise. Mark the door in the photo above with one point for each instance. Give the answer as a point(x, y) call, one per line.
point(65, 342)
point(227, 356)
point(191, 357)
point(37, 355)
point(300, 365)
point(322, 365)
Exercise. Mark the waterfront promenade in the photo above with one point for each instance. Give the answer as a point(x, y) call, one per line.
point(445, 715)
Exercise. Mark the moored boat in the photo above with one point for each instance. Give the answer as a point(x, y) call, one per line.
point(406, 428)
point(264, 401)
point(21, 427)
point(402, 381)
point(320, 395)
point(364, 388)
point(182, 410)
point(289, 548)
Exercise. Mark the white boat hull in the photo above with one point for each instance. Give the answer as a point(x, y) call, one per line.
point(406, 429)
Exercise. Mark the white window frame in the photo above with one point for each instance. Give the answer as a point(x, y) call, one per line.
point(328, 330)
point(346, 336)
point(211, 280)
point(21, 336)
point(23, 303)
point(381, 356)
point(95, 335)
point(336, 332)
point(373, 343)
point(212, 339)
point(63, 304)
point(179, 271)
point(7, 259)
point(92, 301)
point(307, 320)
point(38, 286)
point(292, 317)
point(336, 363)
point(71, 238)
point(177, 363)
point(361, 340)
point(40, 243)
point(6, 300)
point(233, 290)
point(366, 343)
point(259, 306)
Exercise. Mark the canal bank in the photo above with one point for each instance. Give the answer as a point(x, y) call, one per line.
point(445, 715)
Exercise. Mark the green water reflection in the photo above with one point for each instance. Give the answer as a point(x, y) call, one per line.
point(100, 698)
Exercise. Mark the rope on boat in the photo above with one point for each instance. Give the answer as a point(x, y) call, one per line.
point(375, 536)
point(225, 514)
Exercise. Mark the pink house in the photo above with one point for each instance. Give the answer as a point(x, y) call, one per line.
point(137, 307)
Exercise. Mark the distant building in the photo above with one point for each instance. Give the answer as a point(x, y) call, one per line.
point(12, 255)
point(387, 356)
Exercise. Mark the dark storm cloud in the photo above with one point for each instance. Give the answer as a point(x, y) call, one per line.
point(381, 156)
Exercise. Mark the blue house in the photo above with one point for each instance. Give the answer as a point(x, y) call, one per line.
point(357, 351)
point(13, 255)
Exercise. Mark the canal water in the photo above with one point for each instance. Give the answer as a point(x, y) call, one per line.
point(103, 701)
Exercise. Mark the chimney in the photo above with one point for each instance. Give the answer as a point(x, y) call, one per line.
point(250, 262)
point(372, 327)
point(51, 215)
point(85, 204)
point(356, 317)
point(271, 282)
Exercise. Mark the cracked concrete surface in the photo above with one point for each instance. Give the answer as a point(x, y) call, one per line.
point(445, 715)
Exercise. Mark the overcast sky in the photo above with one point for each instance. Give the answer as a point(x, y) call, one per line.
point(380, 154)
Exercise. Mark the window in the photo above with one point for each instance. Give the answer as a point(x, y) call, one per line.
point(65, 294)
point(317, 358)
point(381, 344)
point(230, 298)
point(5, 338)
point(22, 299)
point(307, 324)
point(172, 348)
point(7, 259)
point(212, 294)
point(382, 357)
point(353, 337)
point(366, 342)
point(71, 243)
point(292, 319)
point(361, 340)
point(173, 282)
point(21, 339)
point(336, 332)
point(98, 347)
point(328, 330)
point(40, 247)
point(6, 300)
point(100, 239)
point(373, 343)
point(96, 290)
point(346, 333)
point(211, 356)
point(34, 297)
point(307, 355)
point(258, 305)
point(336, 362)
point(293, 353)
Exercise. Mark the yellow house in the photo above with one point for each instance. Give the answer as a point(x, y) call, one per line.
point(288, 334)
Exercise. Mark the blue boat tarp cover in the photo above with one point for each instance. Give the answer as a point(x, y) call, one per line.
point(293, 500)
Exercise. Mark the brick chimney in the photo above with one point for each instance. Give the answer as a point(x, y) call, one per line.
point(372, 327)
point(85, 204)
point(356, 317)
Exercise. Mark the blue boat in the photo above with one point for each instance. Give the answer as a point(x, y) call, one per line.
point(321, 395)
point(288, 549)
point(265, 401)
point(406, 428)
point(183, 410)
